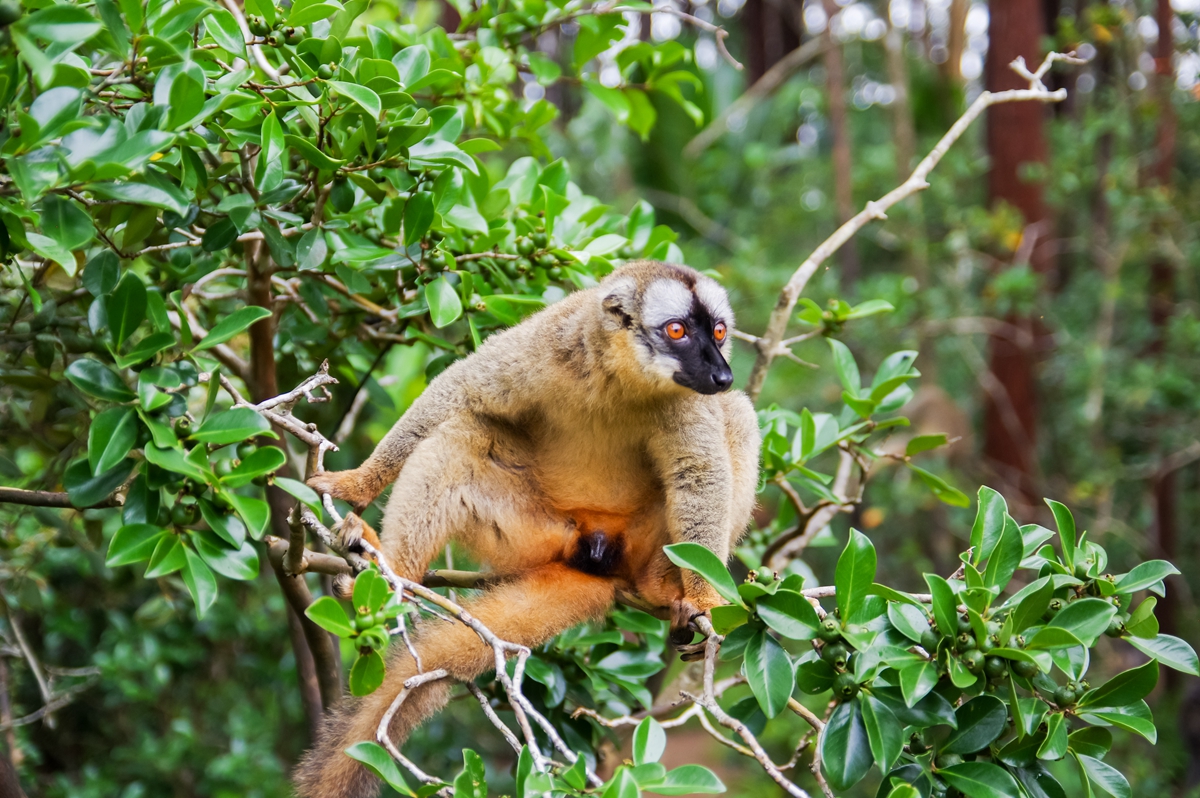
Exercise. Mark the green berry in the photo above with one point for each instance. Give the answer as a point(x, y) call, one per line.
point(995, 667)
point(916, 745)
point(245, 449)
point(1117, 625)
point(930, 640)
point(845, 686)
point(1024, 669)
point(183, 514)
point(1054, 608)
point(525, 246)
point(183, 426)
point(836, 654)
point(764, 575)
point(540, 239)
point(325, 72)
point(964, 624)
point(831, 630)
point(973, 660)
point(986, 644)
point(965, 642)
point(223, 468)
point(1064, 696)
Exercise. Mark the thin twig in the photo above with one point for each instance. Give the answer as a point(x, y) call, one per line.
point(769, 342)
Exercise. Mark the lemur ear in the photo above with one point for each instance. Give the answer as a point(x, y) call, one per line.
point(618, 302)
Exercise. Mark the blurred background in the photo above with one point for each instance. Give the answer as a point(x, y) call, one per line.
point(1048, 277)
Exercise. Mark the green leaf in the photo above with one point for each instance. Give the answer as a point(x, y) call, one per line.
point(1049, 638)
point(306, 13)
point(622, 785)
point(133, 543)
point(444, 303)
point(200, 582)
point(309, 152)
point(869, 308)
point(700, 559)
point(377, 760)
point(140, 194)
point(301, 491)
point(910, 621)
point(361, 96)
point(231, 426)
point(265, 460)
point(1124, 688)
point(418, 216)
point(687, 780)
point(883, 731)
point(941, 488)
point(1169, 650)
point(168, 557)
point(981, 780)
point(815, 676)
point(273, 157)
point(1091, 740)
point(231, 325)
point(145, 349)
point(945, 605)
point(1031, 608)
point(855, 573)
point(86, 489)
point(472, 782)
point(50, 249)
point(371, 591)
point(980, 721)
point(126, 307)
point(326, 613)
point(186, 96)
point(221, 25)
point(727, 617)
point(847, 369)
point(916, 680)
point(1105, 776)
point(1086, 619)
point(649, 742)
point(240, 563)
point(845, 747)
point(1133, 717)
point(62, 24)
point(1005, 557)
point(1145, 575)
point(1066, 531)
point(110, 437)
point(790, 614)
point(989, 524)
point(1054, 747)
point(66, 223)
point(768, 670)
point(255, 513)
point(924, 443)
point(366, 674)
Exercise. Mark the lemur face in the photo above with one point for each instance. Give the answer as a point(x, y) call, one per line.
point(688, 327)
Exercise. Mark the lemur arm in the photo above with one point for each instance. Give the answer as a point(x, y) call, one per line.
point(693, 461)
point(487, 386)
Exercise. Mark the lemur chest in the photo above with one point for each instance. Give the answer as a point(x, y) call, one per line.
point(604, 468)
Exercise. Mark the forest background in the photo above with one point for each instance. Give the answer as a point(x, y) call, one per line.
point(1048, 277)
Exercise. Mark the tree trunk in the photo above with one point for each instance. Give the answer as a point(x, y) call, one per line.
point(1015, 136)
point(839, 125)
point(773, 30)
point(956, 40)
point(904, 135)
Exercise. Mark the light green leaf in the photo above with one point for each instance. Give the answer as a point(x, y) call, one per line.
point(700, 559)
point(231, 325)
point(361, 96)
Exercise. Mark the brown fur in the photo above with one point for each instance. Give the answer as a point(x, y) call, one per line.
point(561, 437)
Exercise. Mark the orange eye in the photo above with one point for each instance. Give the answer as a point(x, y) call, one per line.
point(719, 332)
point(675, 331)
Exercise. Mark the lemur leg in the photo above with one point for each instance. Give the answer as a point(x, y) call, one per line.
point(466, 483)
point(528, 611)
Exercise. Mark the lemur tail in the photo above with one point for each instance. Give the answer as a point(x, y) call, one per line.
point(529, 611)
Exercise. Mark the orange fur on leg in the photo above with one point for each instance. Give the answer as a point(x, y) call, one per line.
point(528, 611)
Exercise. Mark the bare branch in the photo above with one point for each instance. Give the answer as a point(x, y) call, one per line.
point(47, 498)
point(777, 324)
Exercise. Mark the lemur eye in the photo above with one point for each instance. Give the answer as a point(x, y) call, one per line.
point(719, 331)
point(675, 331)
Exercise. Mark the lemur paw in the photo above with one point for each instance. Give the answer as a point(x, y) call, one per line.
point(683, 612)
point(349, 486)
point(353, 531)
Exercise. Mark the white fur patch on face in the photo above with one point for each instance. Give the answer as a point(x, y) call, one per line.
point(714, 298)
point(663, 301)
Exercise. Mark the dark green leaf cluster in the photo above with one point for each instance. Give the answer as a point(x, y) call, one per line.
point(972, 688)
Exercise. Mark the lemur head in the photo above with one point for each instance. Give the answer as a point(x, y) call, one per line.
point(676, 321)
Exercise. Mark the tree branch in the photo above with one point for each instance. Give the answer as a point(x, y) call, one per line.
point(769, 341)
